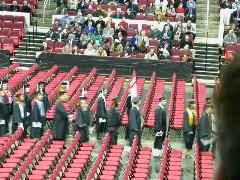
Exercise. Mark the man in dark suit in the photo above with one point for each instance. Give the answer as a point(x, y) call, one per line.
point(71, 40)
point(205, 129)
point(114, 121)
point(160, 125)
point(101, 114)
point(186, 43)
point(135, 123)
point(26, 7)
point(14, 7)
point(27, 102)
point(3, 115)
point(129, 106)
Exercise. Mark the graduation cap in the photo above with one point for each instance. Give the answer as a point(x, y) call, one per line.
point(115, 98)
point(191, 101)
point(161, 98)
point(82, 97)
point(26, 86)
point(64, 86)
point(4, 81)
point(40, 84)
point(135, 100)
point(208, 97)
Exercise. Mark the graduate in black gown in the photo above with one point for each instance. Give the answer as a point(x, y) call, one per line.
point(189, 127)
point(19, 114)
point(83, 119)
point(38, 116)
point(101, 114)
point(60, 122)
point(134, 123)
point(129, 106)
point(3, 115)
point(208, 101)
point(160, 124)
point(28, 102)
point(114, 121)
point(205, 128)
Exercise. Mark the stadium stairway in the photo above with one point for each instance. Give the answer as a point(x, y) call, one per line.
point(206, 61)
point(26, 52)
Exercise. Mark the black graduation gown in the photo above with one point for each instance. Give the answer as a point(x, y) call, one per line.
point(129, 106)
point(18, 119)
point(36, 132)
point(60, 123)
point(188, 138)
point(101, 113)
point(3, 116)
point(28, 101)
point(134, 124)
point(204, 130)
point(160, 124)
point(83, 118)
point(113, 124)
point(46, 105)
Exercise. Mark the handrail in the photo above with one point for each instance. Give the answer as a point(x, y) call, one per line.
point(46, 2)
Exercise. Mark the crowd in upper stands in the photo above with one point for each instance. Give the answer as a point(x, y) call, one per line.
point(83, 34)
point(16, 7)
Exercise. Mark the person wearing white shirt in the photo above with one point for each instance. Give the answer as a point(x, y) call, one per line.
point(151, 55)
point(90, 51)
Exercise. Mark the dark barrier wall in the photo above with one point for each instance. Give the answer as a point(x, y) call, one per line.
point(4, 58)
point(124, 67)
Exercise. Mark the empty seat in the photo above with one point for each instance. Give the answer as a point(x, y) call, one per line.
point(8, 18)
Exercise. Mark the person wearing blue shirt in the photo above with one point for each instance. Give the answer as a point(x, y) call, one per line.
point(236, 4)
point(191, 2)
point(64, 18)
point(134, 40)
point(89, 28)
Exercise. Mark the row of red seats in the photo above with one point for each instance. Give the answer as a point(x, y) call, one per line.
point(149, 96)
point(16, 81)
point(6, 71)
point(204, 164)
point(33, 156)
point(47, 161)
point(171, 167)
point(7, 27)
point(10, 164)
point(138, 164)
point(114, 91)
point(157, 93)
point(177, 104)
point(110, 79)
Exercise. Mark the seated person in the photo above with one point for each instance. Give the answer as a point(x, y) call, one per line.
point(164, 52)
point(89, 19)
point(83, 44)
point(90, 51)
point(190, 17)
point(165, 40)
point(101, 51)
point(71, 40)
point(89, 10)
point(14, 7)
point(79, 18)
point(171, 12)
point(120, 38)
point(52, 35)
point(44, 47)
point(119, 14)
point(180, 11)
point(230, 38)
point(142, 49)
point(67, 49)
point(143, 38)
point(3, 6)
point(141, 11)
point(150, 9)
point(123, 24)
point(236, 16)
point(116, 46)
point(98, 29)
point(191, 10)
point(134, 40)
point(26, 7)
point(169, 25)
point(65, 18)
point(89, 28)
point(186, 43)
point(167, 31)
point(84, 36)
point(99, 12)
point(72, 4)
point(189, 29)
point(101, 22)
point(151, 55)
point(178, 34)
point(155, 33)
point(129, 14)
point(108, 31)
point(236, 4)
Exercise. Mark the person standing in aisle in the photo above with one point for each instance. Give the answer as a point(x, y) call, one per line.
point(83, 118)
point(160, 125)
point(129, 106)
point(38, 116)
point(189, 127)
point(134, 123)
point(114, 121)
point(27, 102)
point(101, 114)
point(3, 115)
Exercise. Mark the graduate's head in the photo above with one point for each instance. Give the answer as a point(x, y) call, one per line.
point(41, 86)
point(4, 85)
point(162, 101)
point(20, 98)
point(136, 101)
point(63, 97)
point(191, 104)
point(115, 101)
point(26, 88)
point(228, 122)
point(105, 91)
point(209, 108)
point(39, 96)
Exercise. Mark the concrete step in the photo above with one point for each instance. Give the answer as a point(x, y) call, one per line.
point(207, 68)
point(204, 5)
point(210, 35)
point(204, 60)
point(214, 24)
point(205, 77)
point(204, 10)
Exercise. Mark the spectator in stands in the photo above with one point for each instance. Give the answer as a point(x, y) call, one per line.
point(119, 28)
point(179, 24)
point(89, 19)
point(167, 31)
point(205, 129)
point(129, 50)
point(134, 122)
point(19, 114)
point(129, 14)
point(14, 7)
point(165, 40)
point(67, 49)
point(119, 14)
point(89, 10)
point(186, 43)
point(142, 10)
point(155, 33)
point(99, 29)
point(51, 35)
point(160, 123)
point(191, 17)
point(235, 29)
point(60, 123)
point(82, 5)
point(108, 31)
point(169, 25)
point(109, 12)
point(71, 40)
point(160, 12)
point(77, 30)
point(230, 38)
point(3, 6)
point(83, 119)
point(26, 7)
point(142, 49)
point(117, 47)
point(89, 28)
point(180, 11)
point(99, 11)
point(101, 52)
point(236, 5)
point(133, 7)
point(225, 4)
point(164, 52)
point(191, 3)
point(37, 118)
point(143, 38)
point(82, 44)
point(120, 38)
point(150, 9)
point(178, 35)
point(151, 55)
point(236, 16)
point(134, 40)
point(72, 4)
point(189, 127)
point(114, 121)
point(191, 10)
point(96, 37)
point(171, 12)
point(189, 29)
point(65, 18)
point(79, 18)
point(84, 36)
point(90, 51)
point(44, 47)
point(101, 22)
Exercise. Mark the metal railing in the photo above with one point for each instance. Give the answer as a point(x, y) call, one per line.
point(46, 3)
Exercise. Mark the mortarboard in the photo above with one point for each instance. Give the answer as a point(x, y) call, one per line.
point(135, 99)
